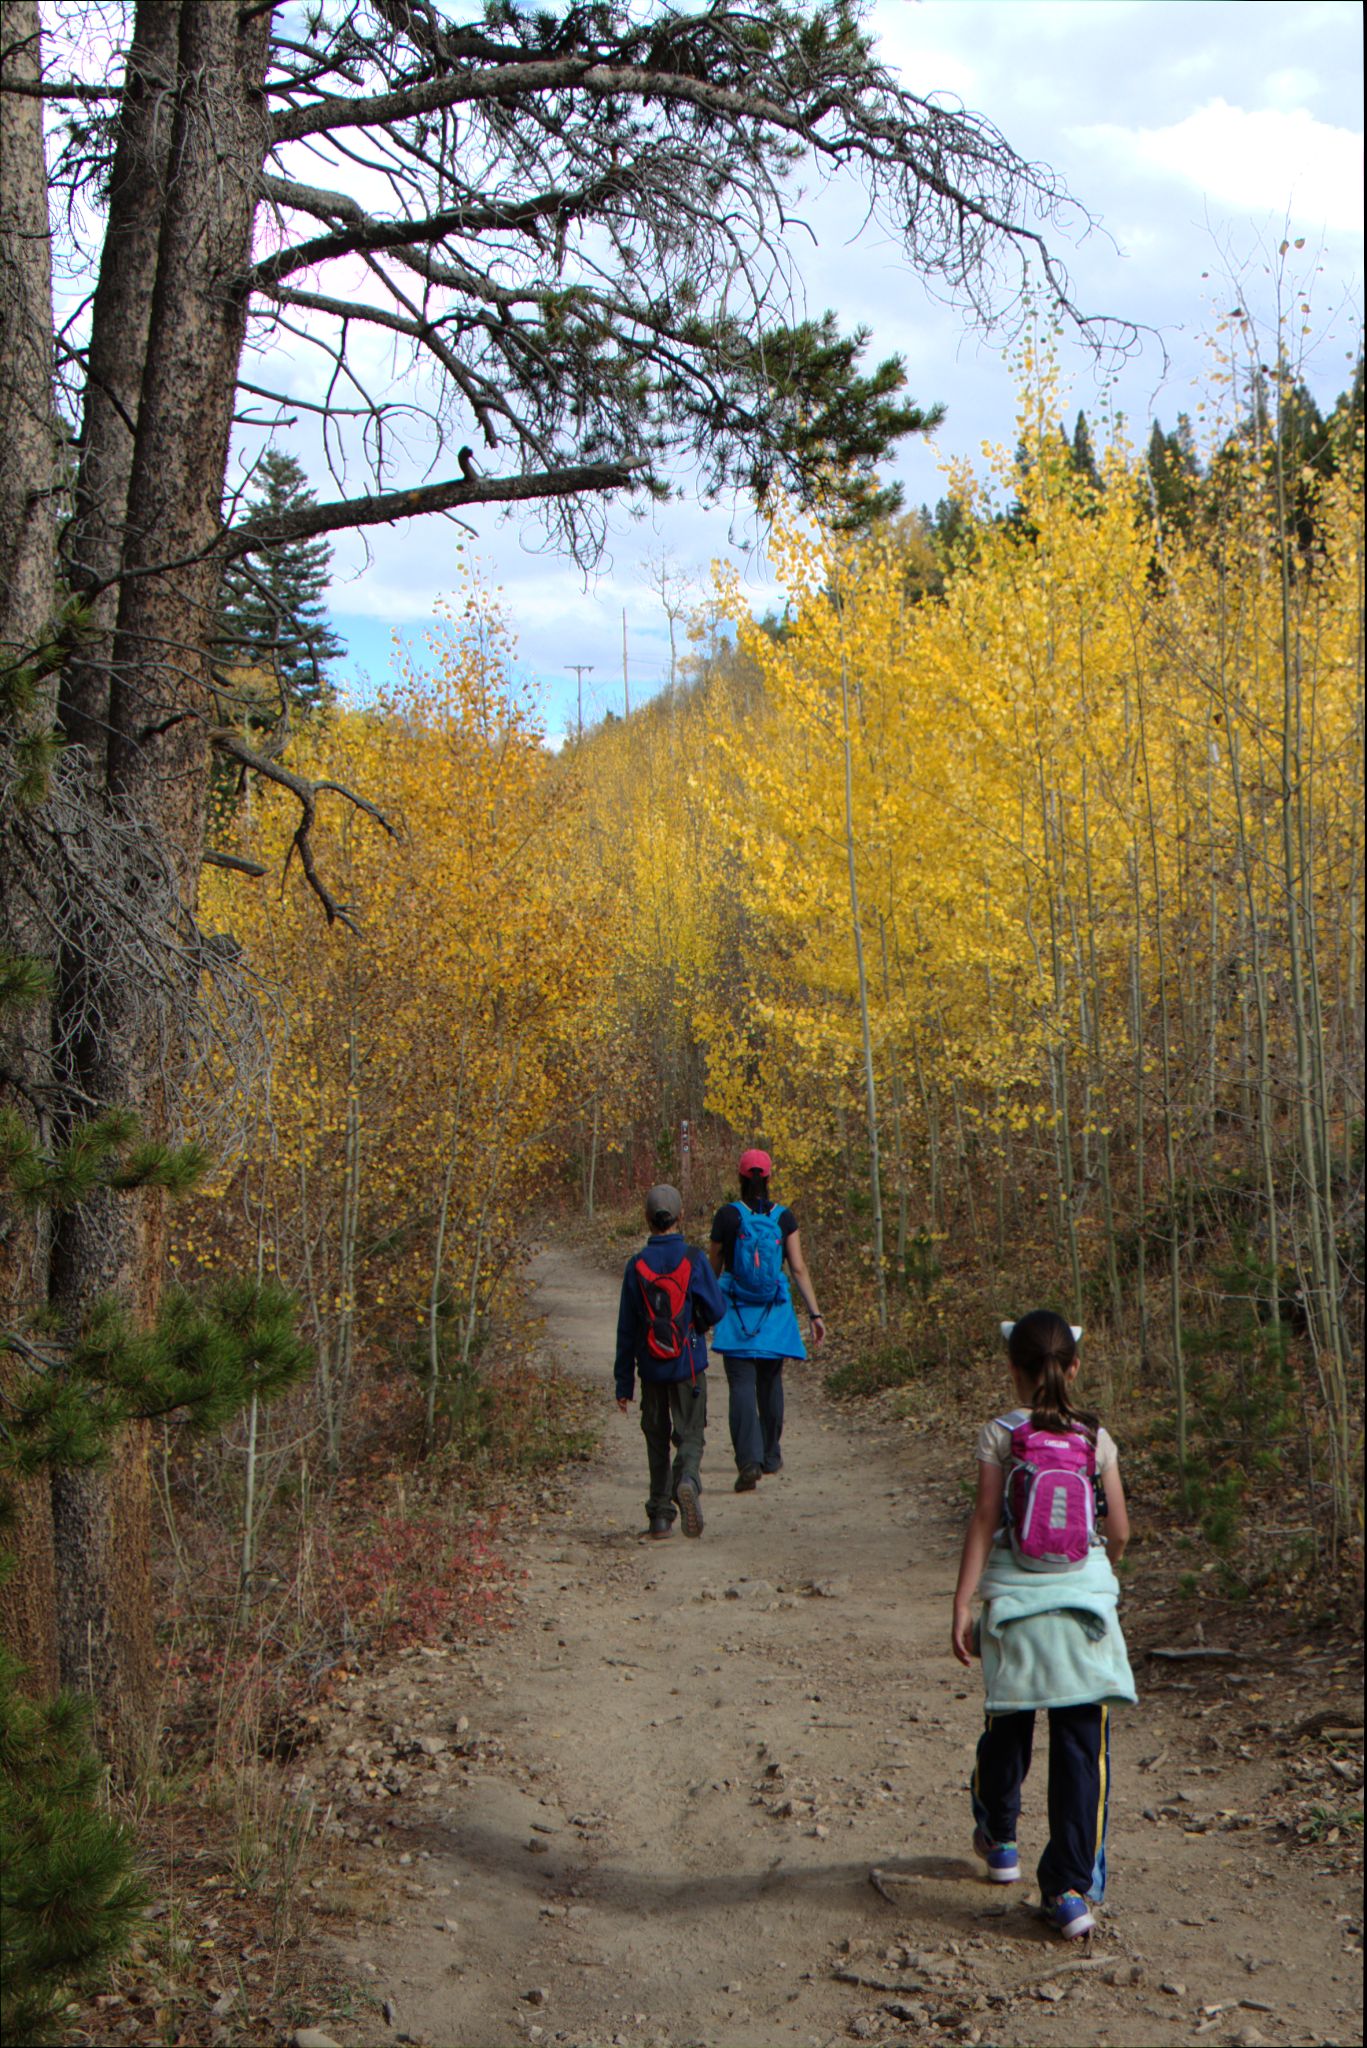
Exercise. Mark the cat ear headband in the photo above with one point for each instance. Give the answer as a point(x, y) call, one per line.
point(1007, 1328)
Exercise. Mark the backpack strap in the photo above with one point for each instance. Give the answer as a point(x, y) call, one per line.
point(676, 1287)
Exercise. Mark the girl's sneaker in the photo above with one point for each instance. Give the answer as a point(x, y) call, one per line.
point(1069, 1915)
point(1003, 1864)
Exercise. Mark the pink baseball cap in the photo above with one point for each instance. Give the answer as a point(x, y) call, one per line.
point(755, 1161)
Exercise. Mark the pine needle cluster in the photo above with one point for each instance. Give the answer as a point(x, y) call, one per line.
point(69, 1893)
point(69, 1889)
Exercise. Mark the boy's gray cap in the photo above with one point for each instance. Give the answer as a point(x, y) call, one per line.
point(664, 1201)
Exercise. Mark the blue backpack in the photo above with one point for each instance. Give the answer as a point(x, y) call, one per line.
point(757, 1262)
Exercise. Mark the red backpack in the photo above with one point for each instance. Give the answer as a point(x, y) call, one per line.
point(669, 1319)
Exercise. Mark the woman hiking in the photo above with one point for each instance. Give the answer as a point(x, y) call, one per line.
point(752, 1240)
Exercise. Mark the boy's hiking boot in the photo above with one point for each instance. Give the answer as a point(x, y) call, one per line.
point(1069, 1915)
point(662, 1525)
point(690, 1507)
point(748, 1478)
point(1003, 1863)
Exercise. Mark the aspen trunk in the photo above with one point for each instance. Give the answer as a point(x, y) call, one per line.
point(930, 1109)
point(247, 1556)
point(1140, 1128)
point(429, 1420)
point(347, 1251)
point(1179, 1369)
point(899, 1156)
point(1323, 1318)
point(866, 1034)
point(593, 1159)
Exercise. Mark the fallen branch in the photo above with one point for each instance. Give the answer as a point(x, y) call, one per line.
point(1327, 1717)
point(1183, 1656)
point(1062, 1970)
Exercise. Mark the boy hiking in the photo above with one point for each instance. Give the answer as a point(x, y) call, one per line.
point(752, 1240)
point(669, 1300)
point(1049, 1635)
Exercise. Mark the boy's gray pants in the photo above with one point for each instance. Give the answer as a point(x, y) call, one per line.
point(673, 1412)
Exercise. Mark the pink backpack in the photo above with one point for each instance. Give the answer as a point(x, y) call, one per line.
point(1050, 1497)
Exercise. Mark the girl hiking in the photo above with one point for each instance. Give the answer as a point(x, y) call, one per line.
point(1048, 1635)
point(752, 1239)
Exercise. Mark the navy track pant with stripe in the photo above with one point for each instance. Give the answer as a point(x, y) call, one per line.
point(1074, 1858)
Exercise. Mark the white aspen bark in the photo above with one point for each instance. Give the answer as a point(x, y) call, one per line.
point(593, 1156)
point(347, 1248)
point(1262, 1044)
point(247, 1554)
point(997, 1116)
point(870, 1091)
point(429, 1416)
point(1054, 874)
point(930, 1109)
point(439, 1251)
point(1179, 1372)
point(899, 1157)
point(1322, 1295)
point(1141, 1276)
point(1103, 1136)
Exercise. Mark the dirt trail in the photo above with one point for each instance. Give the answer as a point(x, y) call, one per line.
point(655, 1803)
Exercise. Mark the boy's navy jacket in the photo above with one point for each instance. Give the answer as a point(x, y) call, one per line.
point(662, 1252)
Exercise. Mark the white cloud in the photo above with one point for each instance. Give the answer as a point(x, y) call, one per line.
point(1252, 160)
point(1291, 88)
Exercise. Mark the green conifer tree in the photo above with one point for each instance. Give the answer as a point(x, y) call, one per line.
point(1082, 452)
point(272, 611)
point(1175, 473)
point(69, 1890)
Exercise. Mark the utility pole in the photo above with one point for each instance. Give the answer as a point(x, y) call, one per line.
point(581, 669)
point(626, 687)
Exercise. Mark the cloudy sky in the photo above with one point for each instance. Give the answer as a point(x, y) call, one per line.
point(1200, 133)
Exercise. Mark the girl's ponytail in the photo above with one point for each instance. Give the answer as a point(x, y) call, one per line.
point(1041, 1347)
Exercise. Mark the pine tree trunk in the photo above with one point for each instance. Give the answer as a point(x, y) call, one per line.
point(28, 468)
point(157, 765)
point(121, 315)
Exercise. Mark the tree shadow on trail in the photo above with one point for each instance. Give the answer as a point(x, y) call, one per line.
point(903, 1868)
point(607, 1882)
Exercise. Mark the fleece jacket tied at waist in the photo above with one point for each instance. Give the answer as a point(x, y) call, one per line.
point(1052, 1639)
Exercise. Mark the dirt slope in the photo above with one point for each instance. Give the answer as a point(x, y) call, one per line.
point(649, 1812)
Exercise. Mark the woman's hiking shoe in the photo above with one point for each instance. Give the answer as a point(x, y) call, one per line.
point(690, 1507)
point(748, 1478)
point(1069, 1915)
point(662, 1525)
point(1003, 1863)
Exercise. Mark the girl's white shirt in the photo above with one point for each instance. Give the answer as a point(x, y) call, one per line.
point(994, 1441)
